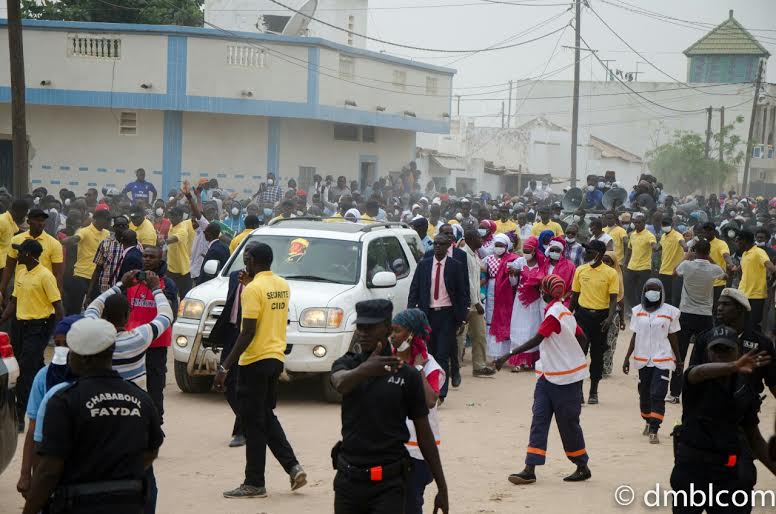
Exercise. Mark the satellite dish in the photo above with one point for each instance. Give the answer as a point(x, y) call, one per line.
point(614, 198)
point(297, 25)
point(572, 200)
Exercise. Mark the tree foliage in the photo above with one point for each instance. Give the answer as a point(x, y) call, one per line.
point(153, 12)
point(682, 164)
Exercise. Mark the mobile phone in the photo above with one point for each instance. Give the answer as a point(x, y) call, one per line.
point(141, 275)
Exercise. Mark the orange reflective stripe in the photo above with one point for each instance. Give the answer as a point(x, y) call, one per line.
point(645, 415)
point(567, 372)
point(564, 314)
point(537, 451)
point(576, 453)
point(656, 416)
point(642, 314)
point(640, 359)
point(414, 443)
point(667, 359)
point(669, 318)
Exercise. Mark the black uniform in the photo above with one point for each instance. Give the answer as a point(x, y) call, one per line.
point(372, 462)
point(100, 425)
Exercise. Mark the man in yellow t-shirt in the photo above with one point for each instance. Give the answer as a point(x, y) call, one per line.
point(251, 224)
point(618, 234)
point(146, 233)
point(544, 223)
point(36, 304)
point(259, 354)
point(9, 226)
point(719, 255)
point(672, 250)
point(755, 267)
point(594, 300)
point(88, 240)
point(180, 239)
point(641, 244)
point(504, 224)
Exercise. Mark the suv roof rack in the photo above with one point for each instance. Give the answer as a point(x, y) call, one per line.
point(384, 224)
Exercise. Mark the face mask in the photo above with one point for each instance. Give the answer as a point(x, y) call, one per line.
point(36, 200)
point(499, 250)
point(632, 226)
point(577, 218)
point(404, 345)
point(590, 188)
point(731, 234)
point(235, 211)
point(52, 212)
point(666, 230)
point(652, 296)
point(760, 243)
point(571, 239)
point(170, 199)
point(67, 201)
point(185, 215)
point(270, 182)
point(482, 232)
point(554, 255)
point(159, 212)
point(60, 355)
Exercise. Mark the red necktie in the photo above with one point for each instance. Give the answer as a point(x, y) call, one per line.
point(436, 283)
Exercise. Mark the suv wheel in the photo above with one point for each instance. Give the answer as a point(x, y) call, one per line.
point(329, 393)
point(189, 384)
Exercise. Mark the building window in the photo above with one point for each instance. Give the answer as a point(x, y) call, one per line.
point(399, 79)
point(100, 47)
point(345, 132)
point(432, 85)
point(347, 67)
point(368, 134)
point(128, 123)
point(246, 56)
point(305, 181)
point(351, 24)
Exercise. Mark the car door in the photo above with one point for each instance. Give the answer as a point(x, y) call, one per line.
point(384, 253)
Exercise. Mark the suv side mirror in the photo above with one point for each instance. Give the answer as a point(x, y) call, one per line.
point(211, 267)
point(384, 279)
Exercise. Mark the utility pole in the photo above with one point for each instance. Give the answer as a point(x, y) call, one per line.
point(502, 114)
point(721, 132)
point(575, 111)
point(708, 131)
point(458, 113)
point(745, 185)
point(21, 166)
point(608, 71)
point(509, 108)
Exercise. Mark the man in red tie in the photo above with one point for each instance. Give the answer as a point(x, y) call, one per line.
point(440, 289)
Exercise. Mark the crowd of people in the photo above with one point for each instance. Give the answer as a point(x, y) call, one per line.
point(516, 278)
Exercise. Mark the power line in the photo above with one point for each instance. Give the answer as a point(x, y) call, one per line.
point(412, 47)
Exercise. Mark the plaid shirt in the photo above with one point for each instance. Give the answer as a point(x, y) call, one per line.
point(575, 253)
point(272, 195)
point(109, 256)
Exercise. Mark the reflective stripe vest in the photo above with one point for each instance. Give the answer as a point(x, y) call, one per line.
point(412, 445)
point(562, 360)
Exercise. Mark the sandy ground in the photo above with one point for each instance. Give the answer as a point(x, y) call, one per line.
point(485, 425)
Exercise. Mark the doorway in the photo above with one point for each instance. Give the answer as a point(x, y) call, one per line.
point(6, 164)
point(367, 172)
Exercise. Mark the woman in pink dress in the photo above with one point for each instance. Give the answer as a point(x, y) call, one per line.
point(527, 310)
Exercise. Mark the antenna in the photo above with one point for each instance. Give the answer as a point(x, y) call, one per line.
point(297, 25)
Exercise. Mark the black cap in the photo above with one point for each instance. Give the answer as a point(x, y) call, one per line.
point(29, 246)
point(721, 335)
point(596, 246)
point(37, 213)
point(372, 312)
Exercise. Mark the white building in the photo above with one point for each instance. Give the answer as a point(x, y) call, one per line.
point(182, 102)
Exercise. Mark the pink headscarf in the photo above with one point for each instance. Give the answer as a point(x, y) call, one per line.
point(490, 228)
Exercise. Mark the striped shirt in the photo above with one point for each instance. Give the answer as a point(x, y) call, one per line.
point(131, 345)
point(109, 256)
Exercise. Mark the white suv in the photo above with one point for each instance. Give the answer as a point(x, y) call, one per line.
point(329, 268)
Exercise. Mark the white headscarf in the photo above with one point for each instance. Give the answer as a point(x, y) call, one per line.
point(504, 239)
point(353, 212)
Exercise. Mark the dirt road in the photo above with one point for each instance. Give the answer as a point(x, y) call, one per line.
point(485, 426)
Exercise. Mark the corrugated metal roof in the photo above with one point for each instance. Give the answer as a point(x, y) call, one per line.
point(728, 38)
point(609, 150)
point(450, 162)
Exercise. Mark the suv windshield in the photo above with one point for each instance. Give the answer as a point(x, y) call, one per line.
point(310, 259)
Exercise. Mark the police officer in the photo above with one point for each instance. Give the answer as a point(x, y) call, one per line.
point(99, 434)
point(379, 392)
point(718, 406)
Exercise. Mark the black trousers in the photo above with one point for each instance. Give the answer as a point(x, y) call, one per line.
point(756, 314)
point(364, 497)
point(717, 293)
point(673, 288)
point(700, 476)
point(653, 386)
point(75, 292)
point(257, 389)
point(156, 376)
point(443, 344)
point(590, 323)
point(692, 326)
point(29, 342)
point(636, 279)
point(231, 382)
point(419, 478)
point(182, 282)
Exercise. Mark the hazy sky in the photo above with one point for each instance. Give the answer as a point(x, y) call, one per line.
point(478, 24)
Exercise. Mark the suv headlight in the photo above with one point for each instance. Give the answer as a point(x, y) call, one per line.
point(321, 318)
point(191, 309)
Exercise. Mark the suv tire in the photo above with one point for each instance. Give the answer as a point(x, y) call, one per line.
point(329, 393)
point(189, 384)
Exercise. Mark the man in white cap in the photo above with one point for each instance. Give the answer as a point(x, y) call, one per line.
point(100, 433)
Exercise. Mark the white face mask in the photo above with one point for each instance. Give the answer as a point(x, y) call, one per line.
point(652, 296)
point(171, 199)
point(404, 345)
point(235, 211)
point(499, 250)
point(554, 255)
point(67, 201)
point(590, 188)
point(571, 239)
point(159, 212)
point(632, 226)
point(52, 212)
point(577, 218)
point(482, 232)
point(760, 243)
point(185, 215)
point(60, 355)
point(731, 234)
point(36, 200)
point(666, 230)
point(270, 182)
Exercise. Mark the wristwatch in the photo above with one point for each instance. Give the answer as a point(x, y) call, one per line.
point(222, 369)
point(419, 367)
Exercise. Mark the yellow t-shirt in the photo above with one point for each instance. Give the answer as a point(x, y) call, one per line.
point(236, 240)
point(540, 227)
point(35, 292)
point(8, 228)
point(337, 218)
point(672, 252)
point(502, 227)
point(718, 249)
point(179, 254)
point(594, 285)
point(265, 300)
point(366, 218)
point(52, 249)
point(432, 230)
point(753, 274)
point(640, 244)
point(87, 248)
point(146, 233)
point(618, 234)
